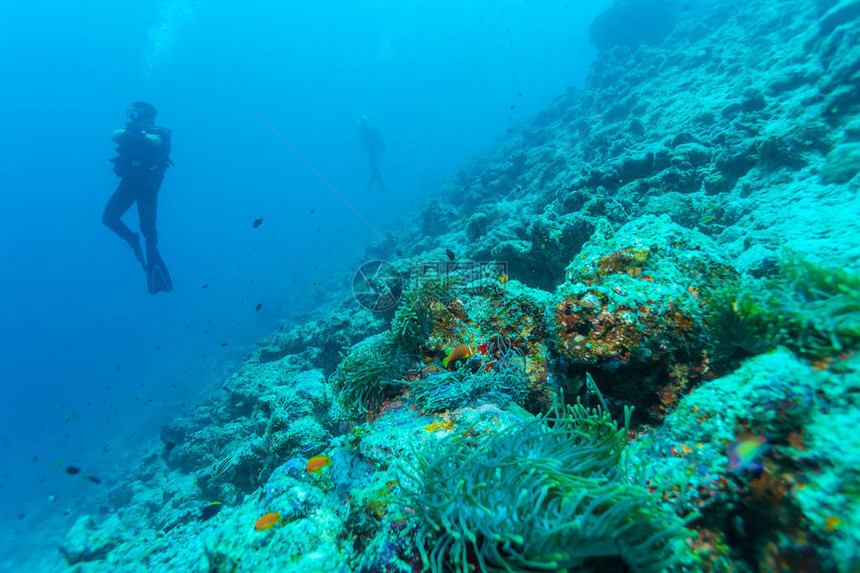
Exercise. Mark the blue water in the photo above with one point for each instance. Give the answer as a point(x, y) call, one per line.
point(93, 364)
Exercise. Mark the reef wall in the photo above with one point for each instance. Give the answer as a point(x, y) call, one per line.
point(624, 338)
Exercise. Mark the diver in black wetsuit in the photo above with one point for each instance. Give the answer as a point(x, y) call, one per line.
point(371, 141)
point(143, 155)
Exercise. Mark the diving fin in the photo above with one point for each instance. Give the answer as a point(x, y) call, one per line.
point(157, 277)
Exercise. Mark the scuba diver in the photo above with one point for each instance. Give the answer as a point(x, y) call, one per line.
point(371, 141)
point(143, 155)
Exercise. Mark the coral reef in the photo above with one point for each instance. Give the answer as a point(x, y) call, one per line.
point(86, 542)
point(631, 312)
point(368, 374)
point(841, 164)
point(813, 309)
point(450, 390)
point(788, 512)
point(546, 495)
point(677, 240)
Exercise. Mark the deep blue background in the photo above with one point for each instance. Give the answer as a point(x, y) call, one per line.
point(84, 347)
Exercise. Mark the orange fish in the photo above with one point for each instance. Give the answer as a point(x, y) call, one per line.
point(268, 521)
point(458, 353)
point(317, 463)
point(503, 278)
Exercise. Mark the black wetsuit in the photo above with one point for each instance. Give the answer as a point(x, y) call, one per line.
point(141, 164)
point(371, 140)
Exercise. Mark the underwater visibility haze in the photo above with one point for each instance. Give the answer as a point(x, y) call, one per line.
point(444, 286)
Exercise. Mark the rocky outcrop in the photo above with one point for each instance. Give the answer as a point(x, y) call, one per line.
point(86, 542)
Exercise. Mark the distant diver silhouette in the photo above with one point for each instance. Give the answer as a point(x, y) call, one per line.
point(372, 143)
point(143, 155)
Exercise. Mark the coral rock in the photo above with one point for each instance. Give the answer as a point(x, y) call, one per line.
point(84, 542)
